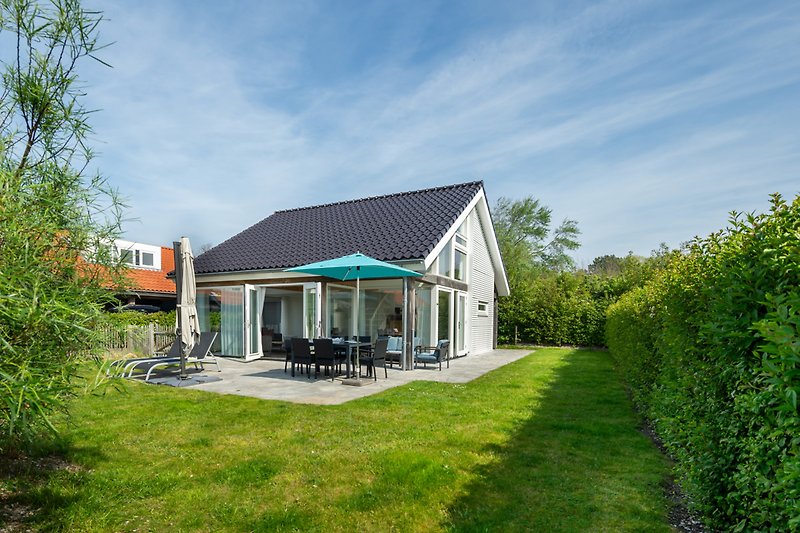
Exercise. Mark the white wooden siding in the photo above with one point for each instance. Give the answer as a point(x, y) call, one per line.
point(481, 287)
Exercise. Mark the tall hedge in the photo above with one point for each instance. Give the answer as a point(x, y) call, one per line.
point(569, 308)
point(711, 351)
point(554, 309)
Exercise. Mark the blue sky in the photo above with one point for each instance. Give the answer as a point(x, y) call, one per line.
point(646, 122)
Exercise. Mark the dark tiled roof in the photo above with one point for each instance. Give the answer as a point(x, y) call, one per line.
point(402, 226)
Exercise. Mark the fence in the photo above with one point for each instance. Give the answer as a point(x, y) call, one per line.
point(144, 340)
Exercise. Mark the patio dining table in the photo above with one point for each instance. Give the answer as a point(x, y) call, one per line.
point(349, 346)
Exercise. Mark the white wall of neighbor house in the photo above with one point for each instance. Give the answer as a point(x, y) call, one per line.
point(481, 288)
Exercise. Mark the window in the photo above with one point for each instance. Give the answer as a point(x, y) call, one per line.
point(460, 265)
point(460, 253)
point(483, 308)
point(452, 260)
point(147, 259)
point(445, 260)
point(137, 255)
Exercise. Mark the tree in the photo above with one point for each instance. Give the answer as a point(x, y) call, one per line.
point(532, 251)
point(526, 239)
point(607, 265)
point(55, 220)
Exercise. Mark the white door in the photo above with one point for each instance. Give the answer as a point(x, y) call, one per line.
point(312, 310)
point(252, 324)
point(460, 324)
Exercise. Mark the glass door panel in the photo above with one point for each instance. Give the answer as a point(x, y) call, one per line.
point(231, 320)
point(252, 324)
point(443, 330)
point(461, 324)
point(340, 311)
point(422, 324)
point(311, 310)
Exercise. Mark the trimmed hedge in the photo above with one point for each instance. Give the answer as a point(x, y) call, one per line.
point(135, 318)
point(553, 310)
point(568, 308)
point(711, 351)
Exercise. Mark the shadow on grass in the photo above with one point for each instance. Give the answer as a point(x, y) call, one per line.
point(26, 496)
point(577, 463)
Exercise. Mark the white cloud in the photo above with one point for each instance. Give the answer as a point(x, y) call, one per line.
point(609, 116)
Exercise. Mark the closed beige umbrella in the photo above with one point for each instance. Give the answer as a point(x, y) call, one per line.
point(187, 322)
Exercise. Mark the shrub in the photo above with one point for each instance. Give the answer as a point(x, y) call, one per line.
point(709, 349)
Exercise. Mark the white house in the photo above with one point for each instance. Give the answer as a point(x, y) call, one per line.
point(446, 233)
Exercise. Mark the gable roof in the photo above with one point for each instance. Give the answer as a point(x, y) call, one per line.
point(142, 280)
point(395, 227)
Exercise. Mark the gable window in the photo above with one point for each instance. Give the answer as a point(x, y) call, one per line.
point(483, 308)
point(445, 261)
point(460, 265)
point(460, 253)
point(452, 261)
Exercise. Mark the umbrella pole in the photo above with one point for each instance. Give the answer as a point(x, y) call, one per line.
point(358, 322)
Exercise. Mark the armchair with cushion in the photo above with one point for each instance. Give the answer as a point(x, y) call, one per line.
point(433, 354)
point(394, 350)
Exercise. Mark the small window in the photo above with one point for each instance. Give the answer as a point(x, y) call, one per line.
point(483, 308)
point(147, 259)
point(126, 256)
point(460, 265)
point(444, 260)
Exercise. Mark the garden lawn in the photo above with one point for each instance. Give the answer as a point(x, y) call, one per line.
point(547, 443)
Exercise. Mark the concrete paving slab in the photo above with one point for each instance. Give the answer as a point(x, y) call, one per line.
point(267, 380)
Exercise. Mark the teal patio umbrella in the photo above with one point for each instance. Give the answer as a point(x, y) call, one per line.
point(356, 266)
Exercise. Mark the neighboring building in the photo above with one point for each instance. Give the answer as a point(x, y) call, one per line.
point(446, 233)
point(147, 276)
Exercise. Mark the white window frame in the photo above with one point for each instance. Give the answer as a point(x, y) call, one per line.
point(136, 251)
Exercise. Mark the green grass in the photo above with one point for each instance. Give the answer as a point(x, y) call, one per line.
point(548, 443)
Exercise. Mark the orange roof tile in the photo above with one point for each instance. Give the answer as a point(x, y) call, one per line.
point(154, 280)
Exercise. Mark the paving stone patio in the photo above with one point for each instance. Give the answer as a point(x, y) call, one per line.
point(267, 380)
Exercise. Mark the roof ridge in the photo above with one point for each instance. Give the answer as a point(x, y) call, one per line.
point(380, 196)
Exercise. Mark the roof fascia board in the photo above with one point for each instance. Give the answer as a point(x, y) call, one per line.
point(500, 278)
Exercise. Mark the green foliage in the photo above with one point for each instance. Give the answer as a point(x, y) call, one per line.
point(53, 219)
point(569, 308)
point(710, 350)
point(526, 240)
point(134, 318)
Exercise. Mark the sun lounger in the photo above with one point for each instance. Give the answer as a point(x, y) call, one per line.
point(200, 355)
point(173, 356)
point(121, 366)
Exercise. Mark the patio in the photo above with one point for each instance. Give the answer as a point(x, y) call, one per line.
point(266, 379)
